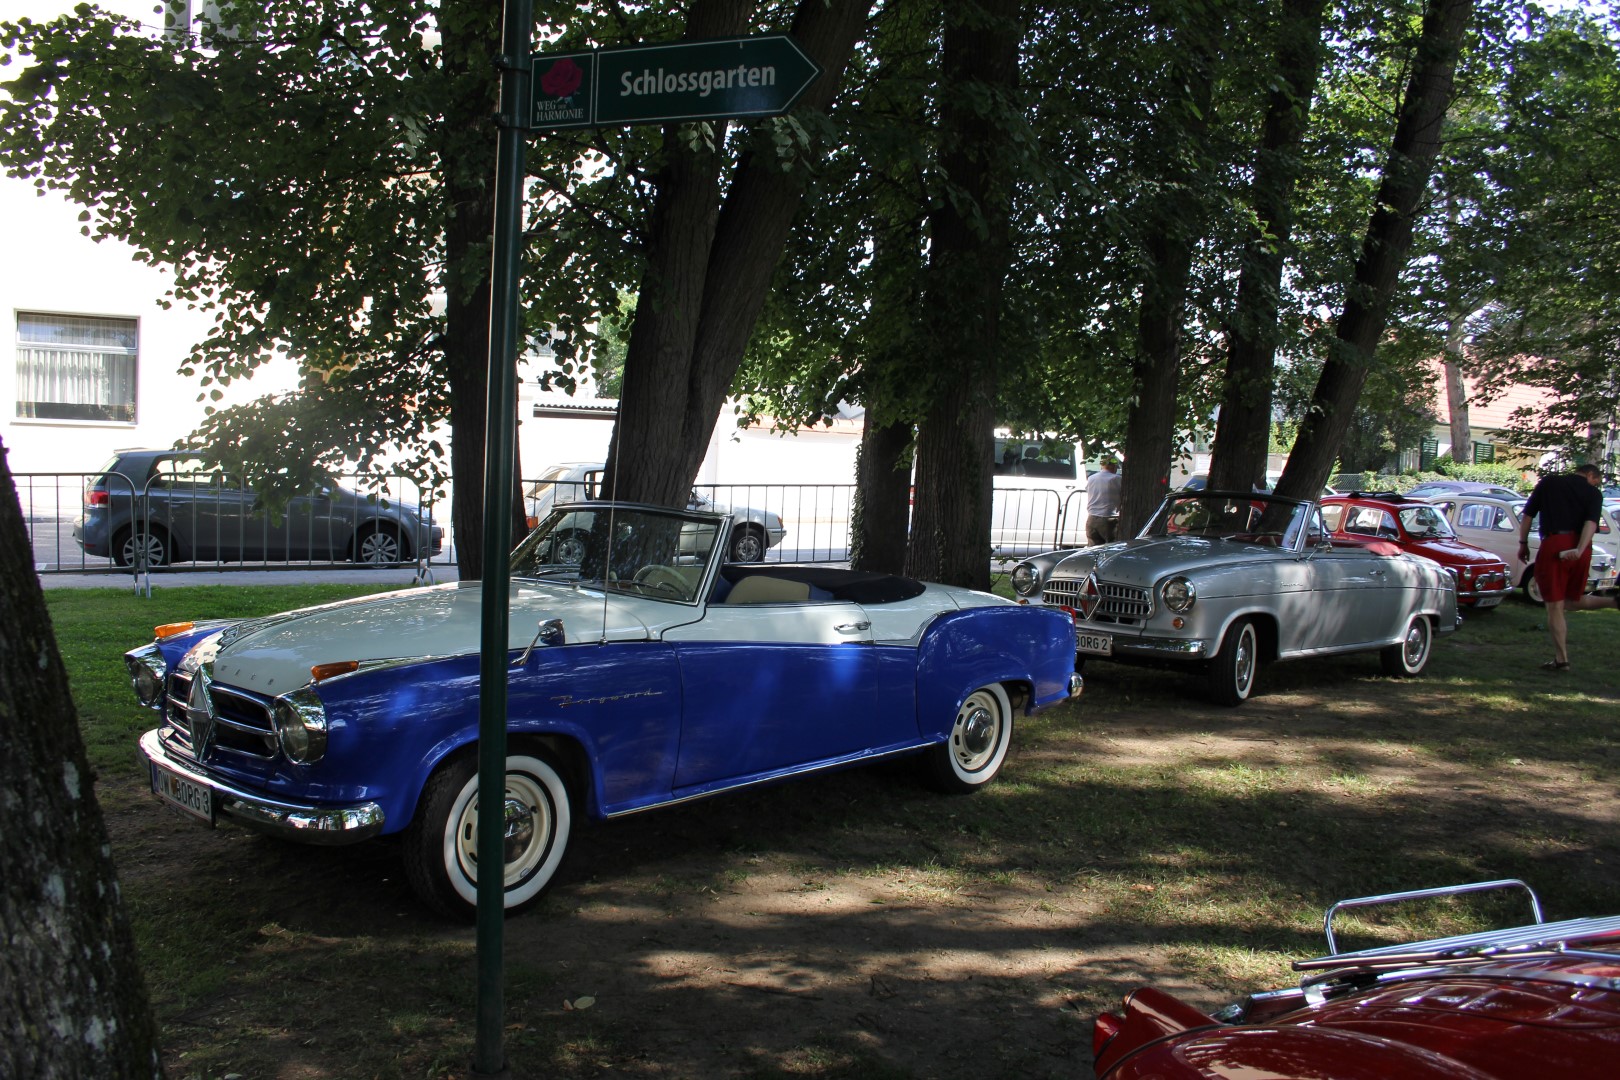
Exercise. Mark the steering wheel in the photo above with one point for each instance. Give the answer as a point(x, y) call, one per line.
point(664, 579)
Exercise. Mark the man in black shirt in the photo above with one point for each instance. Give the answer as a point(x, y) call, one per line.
point(1568, 507)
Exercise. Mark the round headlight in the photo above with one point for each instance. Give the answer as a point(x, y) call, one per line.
point(301, 727)
point(146, 671)
point(1179, 595)
point(1024, 579)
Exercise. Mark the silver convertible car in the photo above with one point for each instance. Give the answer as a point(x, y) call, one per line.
point(1228, 582)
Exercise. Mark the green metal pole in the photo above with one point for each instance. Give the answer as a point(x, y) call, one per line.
point(489, 1055)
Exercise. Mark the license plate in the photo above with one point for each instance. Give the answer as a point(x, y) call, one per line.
point(187, 796)
point(1095, 644)
point(1487, 601)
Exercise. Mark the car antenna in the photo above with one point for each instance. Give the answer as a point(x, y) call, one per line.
point(613, 508)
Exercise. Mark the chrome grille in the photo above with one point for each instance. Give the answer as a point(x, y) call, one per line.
point(242, 723)
point(1125, 605)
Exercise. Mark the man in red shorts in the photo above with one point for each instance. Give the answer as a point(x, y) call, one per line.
point(1568, 508)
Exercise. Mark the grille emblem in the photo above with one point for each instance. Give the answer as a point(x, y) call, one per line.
point(200, 712)
point(1090, 596)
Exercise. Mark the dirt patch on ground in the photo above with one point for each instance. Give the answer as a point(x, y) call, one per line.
point(859, 925)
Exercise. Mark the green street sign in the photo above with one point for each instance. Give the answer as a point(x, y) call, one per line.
point(668, 83)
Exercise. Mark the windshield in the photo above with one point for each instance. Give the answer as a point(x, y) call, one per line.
point(639, 551)
point(1426, 522)
point(1252, 519)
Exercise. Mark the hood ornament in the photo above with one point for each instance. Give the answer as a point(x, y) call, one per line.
point(200, 712)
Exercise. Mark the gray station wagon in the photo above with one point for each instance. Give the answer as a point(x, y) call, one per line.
point(164, 506)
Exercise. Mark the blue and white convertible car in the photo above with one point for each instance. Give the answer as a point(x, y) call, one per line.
point(639, 676)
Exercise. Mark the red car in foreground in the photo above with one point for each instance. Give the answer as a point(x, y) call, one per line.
point(1417, 526)
point(1541, 1000)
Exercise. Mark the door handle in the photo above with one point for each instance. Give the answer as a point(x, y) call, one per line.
point(853, 627)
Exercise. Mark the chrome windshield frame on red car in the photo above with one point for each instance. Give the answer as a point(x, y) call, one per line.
point(1537, 1000)
point(1224, 583)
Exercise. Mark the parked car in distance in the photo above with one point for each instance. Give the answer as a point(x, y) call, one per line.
point(1492, 522)
point(166, 506)
point(1539, 1000)
point(1419, 527)
point(1227, 582)
point(638, 678)
point(1037, 496)
point(1462, 487)
point(753, 531)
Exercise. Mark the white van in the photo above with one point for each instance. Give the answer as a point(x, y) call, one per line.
point(1040, 495)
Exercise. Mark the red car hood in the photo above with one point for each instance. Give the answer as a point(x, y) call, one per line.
point(1451, 552)
point(1558, 1017)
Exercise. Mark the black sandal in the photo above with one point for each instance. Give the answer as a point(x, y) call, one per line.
point(1555, 665)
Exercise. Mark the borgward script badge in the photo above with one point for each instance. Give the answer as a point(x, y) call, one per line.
point(1090, 596)
point(200, 712)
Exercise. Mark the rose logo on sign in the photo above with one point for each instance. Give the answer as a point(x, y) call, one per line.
point(562, 80)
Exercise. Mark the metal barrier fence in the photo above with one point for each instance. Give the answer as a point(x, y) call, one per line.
point(108, 522)
point(87, 523)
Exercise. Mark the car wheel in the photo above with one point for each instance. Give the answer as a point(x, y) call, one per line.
point(568, 549)
point(747, 544)
point(1233, 672)
point(441, 843)
point(972, 753)
point(1529, 589)
point(379, 545)
point(128, 543)
point(1408, 658)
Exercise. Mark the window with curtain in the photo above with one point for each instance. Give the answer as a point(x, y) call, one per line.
point(76, 367)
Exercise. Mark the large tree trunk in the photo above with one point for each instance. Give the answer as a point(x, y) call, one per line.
point(468, 140)
point(969, 253)
point(709, 270)
point(74, 1002)
point(881, 515)
point(1243, 430)
point(1383, 251)
point(1173, 225)
point(1462, 433)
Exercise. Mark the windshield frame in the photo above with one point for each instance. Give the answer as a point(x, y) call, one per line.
point(624, 549)
point(1267, 520)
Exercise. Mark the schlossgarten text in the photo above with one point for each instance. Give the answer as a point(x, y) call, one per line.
point(703, 82)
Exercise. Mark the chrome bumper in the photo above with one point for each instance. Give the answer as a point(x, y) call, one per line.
point(327, 825)
point(1167, 648)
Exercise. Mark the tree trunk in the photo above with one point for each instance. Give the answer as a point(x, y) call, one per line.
point(75, 1004)
point(969, 254)
point(468, 140)
point(1243, 430)
point(1173, 226)
point(881, 514)
point(709, 270)
point(1383, 252)
point(1462, 434)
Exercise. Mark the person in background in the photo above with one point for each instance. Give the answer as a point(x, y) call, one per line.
point(1567, 508)
point(1102, 504)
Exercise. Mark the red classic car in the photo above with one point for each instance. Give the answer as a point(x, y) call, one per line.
point(1417, 526)
point(1541, 1000)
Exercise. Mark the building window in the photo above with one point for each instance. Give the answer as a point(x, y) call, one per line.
point(76, 367)
point(1484, 453)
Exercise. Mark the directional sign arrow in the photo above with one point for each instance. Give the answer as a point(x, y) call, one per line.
point(671, 82)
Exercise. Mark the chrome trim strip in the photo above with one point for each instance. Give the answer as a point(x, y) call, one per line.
point(1193, 647)
point(325, 825)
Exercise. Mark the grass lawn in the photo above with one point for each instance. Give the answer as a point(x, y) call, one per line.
point(859, 925)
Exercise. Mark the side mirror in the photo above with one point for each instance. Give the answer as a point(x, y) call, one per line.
point(549, 633)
